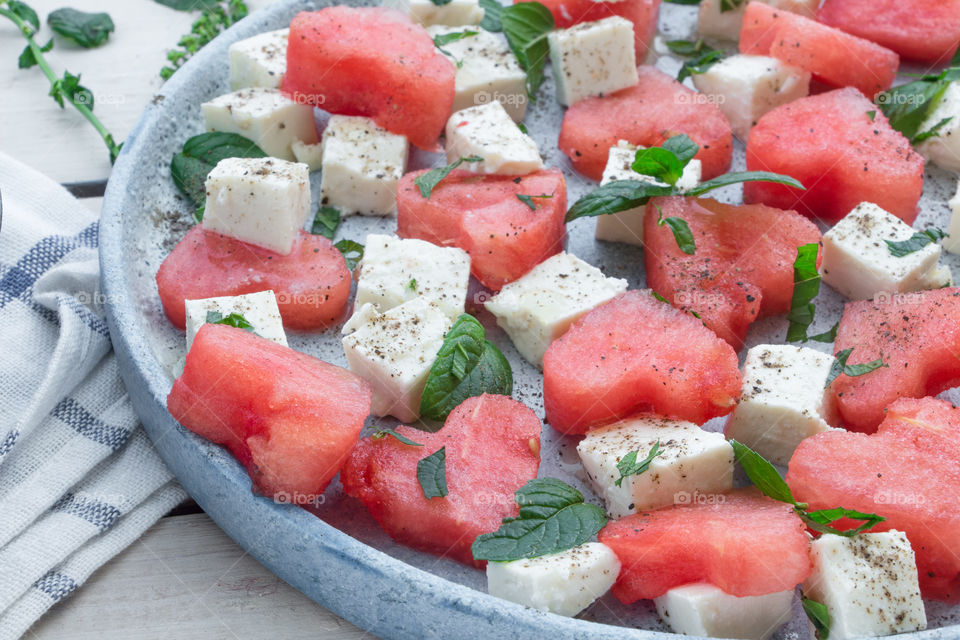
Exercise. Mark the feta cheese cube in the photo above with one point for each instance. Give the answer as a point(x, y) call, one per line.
point(394, 351)
point(702, 609)
point(692, 463)
point(309, 154)
point(715, 22)
point(259, 309)
point(857, 261)
point(395, 270)
point(952, 242)
point(259, 61)
point(362, 166)
point(564, 583)
point(747, 87)
point(868, 584)
point(263, 201)
point(783, 400)
point(944, 148)
point(488, 131)
point(266, 116)
point(453, 13)
point(593, 59)
point(627, 226)
point(487, 71)
point(539, 307)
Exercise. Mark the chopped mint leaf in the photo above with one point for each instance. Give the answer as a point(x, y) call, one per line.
point(806, 286)
point(412, 285)
point(818, 615)
point(326, 222)
point(681, 233)
point(491, 15)
point(701, 56)
point(916, 242)
point(872, 115)
point(826, 336)
point(85, 29)
point(628, 465)
point(352, 252)
point(234, 320)
point(852, 370)
point(432, 178)
point(526, 26)
point(432, 474)
point(528, 200)
point(383, 433)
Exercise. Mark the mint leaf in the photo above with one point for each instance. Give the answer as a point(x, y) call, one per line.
point(908, 106)
point(818, 615)
point(933, 131)
point(628, 465)
point(432, 474)
point(616, 196)
point(432, 178)
point(553, 518)
point(681, 146)
point(491, 15)
point(736, 177)
point(233, 320)
point(872, 115)
point(827, 336)
point(852, 370)
point(68, 88)
point(23, 11)
point(85, 29)
point(701, 56)
point(325, 223)
point(467, 365)
point(528, 200)
point(352, 252)
point(659, 297)
point(526, 26)
point(383, 433)
point(916, 242)
point(189, 5)
point(658, 163)
point(412, 285)
point(200, 155)
point(806, 286)
point(820, 520)
point(446, 38)
point(681, 232)
point(27, 59)
point(762, 474)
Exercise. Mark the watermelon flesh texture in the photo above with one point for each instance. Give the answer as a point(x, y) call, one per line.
point(634, 354)
point(919, 30)
point(906, 472)
point(642, 13)
point(843, 157)
point(482, 215)
point(373, 62)
point(742, 268)
point(481, 479)
point(312, 283)
point(834, 57)
point(656, 108)
point(291, 419)
point(742, 542)
point(916, 334)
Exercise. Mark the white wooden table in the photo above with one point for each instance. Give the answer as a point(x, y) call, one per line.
point(184, 578)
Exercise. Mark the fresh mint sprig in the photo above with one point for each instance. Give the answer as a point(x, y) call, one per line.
point(852, 370)
point(628, 465)
point(806, 286)
point(700, 56)
point(910, 105)
point(432, 474)
point(526, 25)
point(215, 18)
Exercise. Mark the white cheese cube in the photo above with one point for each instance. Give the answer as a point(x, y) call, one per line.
point(395, 270)
point(627, 226)
point(783, 400)
point(747, 87)
point(486, 70)
point(593, 59)
point(266, 116)
point(259, 61)
point(539, 307)
point(952, 242)
point(453, 13)
point(857, 261)
point(394, 351)
point(488, 131)
point(692, 464)
point(309, 154)
point(564, 583)
point(259, 309)
point(944, 148)
point(263, 201)
point(868, 584)
point(702, 609)
point(715, 22)
point(362, 166)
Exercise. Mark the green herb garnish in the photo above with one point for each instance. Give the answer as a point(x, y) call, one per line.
point(528, 199)
point(352, 252)
point(553, 518)
point(701, 57)
point(432, 178)
point(233, 320)
point(917, 241)
point(491, 15)
point(909, 105)
point(383, 433)
point(215, 18)
point(412, 285)
point(628, 465)
point(681, 232)
point(818, 615)
point(526, 25)
point(432, 474)
point(85, 29)
point(325, 223)
point(852, 370)
point(806, 286)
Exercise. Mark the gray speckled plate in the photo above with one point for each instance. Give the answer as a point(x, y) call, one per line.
point(334, 552)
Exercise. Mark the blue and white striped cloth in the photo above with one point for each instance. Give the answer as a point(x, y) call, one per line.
point(79, 480)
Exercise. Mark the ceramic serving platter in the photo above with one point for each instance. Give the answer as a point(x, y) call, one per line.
point(333, 551)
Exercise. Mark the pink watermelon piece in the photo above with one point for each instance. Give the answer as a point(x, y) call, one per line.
point(312, 283)
point(834, 57)
point(743, 265)
point(842, 155)
point(636, 353)
point(291, 419)
point(905, 472)
point(481, 479)
point(916, 334)
point(919, 30)
point(374, 62)
point(646, 114)
point(482, 215)
point(741, 542)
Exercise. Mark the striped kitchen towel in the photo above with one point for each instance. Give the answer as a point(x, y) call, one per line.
point(79, 479)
